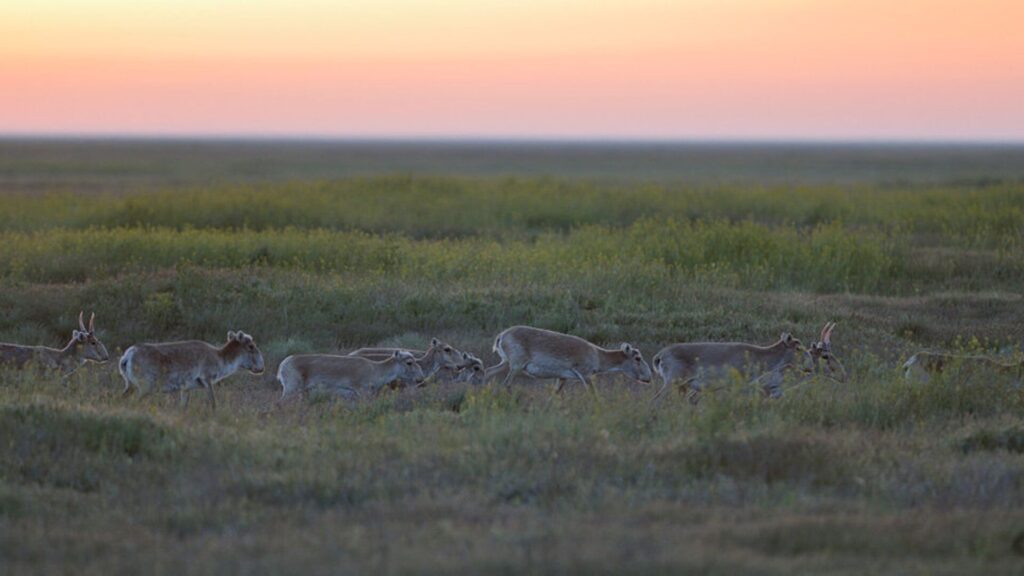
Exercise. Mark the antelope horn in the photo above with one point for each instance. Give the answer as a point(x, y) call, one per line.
point(824, 329)
point(828, 332)
point(92, 323)
point(81, 321)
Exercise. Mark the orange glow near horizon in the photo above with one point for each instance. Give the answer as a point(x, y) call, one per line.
point(918, 69)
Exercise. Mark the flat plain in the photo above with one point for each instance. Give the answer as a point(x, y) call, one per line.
point(328, 246)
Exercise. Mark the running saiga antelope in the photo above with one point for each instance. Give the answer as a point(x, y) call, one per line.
point(695, 365)
point(924, 364)
point(345, 375)
point(185, 366)
point(542, 353)
point(83, 347)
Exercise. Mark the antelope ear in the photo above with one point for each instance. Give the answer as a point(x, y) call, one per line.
point(466, 356)
point(435, 342)
point(232, 335)
point(78, 335)
point(785, 336)
point(627, 348)
point(397, 354)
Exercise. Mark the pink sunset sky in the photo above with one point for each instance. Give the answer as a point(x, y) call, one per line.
point(683, 69)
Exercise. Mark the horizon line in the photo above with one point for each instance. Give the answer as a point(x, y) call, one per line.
point(497, 139)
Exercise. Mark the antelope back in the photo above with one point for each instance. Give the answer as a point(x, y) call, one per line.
point(532, 342)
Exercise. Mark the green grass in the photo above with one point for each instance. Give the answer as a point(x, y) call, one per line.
point(876, 474)
point(964, 216)
point(830, 477)
point(824, 258)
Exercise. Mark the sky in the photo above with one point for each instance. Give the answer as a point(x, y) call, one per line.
point(604, 69)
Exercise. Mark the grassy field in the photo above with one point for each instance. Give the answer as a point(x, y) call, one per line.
point(909, 250)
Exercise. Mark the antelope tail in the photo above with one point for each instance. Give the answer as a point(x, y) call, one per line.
point(125, 365)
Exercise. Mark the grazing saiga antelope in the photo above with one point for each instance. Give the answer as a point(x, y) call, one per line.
point(439, 356)
point(345, 375)
point(185, 366)
point(542, 353)
point(83, 347)
point(695, 364)
point(924, 364)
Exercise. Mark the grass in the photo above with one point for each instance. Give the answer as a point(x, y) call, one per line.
point(822, 259)
point(988, 217)
point(509, 482)
point(874, 474)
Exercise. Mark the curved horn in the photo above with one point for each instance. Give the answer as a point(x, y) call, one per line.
point(81, 321)
point(92, 323)
point(824, 329)
point(828, 332)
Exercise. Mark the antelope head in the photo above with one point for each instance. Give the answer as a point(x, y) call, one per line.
point(88, 345)
point(411, 370)
point(248, 352)
point(793, 348)
point(634, 364)
point(824, 359)
point(472, 370)
point(449, 357)
point(465, 360)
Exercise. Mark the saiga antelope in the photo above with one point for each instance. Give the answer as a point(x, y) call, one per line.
point(83, 347)
point(439, 356)
point(345, 375)
point(472, 371)
point(185, 366)
point(542, 353)
point(695, 364)
point(824, 359)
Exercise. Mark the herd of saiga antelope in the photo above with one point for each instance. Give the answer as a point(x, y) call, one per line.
point(185, 366)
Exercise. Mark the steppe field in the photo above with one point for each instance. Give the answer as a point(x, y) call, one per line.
point(328, 246)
